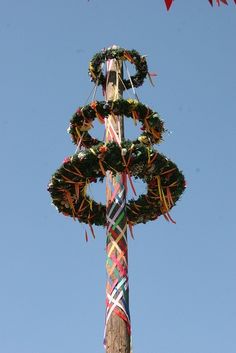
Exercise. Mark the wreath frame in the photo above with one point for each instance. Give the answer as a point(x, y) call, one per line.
point(81, 122)
point(165, 183)
point(95, 66)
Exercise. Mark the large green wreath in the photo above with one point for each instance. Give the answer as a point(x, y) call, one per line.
point(81, 122)
point(95, 66)
point(165, 183)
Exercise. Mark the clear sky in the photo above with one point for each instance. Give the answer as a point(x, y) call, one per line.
point(183, 276)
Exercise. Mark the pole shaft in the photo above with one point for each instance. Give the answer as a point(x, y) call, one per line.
point(117, 331)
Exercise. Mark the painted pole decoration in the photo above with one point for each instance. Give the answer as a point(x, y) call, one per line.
point(218, 2)
point(117, 323)
point(118, 160)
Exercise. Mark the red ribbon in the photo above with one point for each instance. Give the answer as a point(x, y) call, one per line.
point(123, 317)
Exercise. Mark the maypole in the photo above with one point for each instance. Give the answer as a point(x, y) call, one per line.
point(117, 325)
point(118, 160)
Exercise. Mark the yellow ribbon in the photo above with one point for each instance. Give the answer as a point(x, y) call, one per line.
point(161, 193)
point(91, 69)
point(69, 199)
point(148, 153)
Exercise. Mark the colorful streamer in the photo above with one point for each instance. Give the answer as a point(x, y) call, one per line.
point(117, 290)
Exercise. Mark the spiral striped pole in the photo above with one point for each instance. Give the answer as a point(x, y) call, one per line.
point(117, 325)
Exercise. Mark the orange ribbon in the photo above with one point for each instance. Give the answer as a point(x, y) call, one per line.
point(93, 105)
point(101, 167)
point(135, 116)
point(128, 57)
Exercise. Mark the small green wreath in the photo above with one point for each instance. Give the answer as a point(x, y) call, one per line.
point(81, 122)
point(95, 66)
point(165, 183)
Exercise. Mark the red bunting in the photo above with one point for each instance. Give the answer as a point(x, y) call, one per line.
point(170, 2)
point(218, 2)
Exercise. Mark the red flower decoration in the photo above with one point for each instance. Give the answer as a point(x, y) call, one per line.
point(92, 180)
point(103, 149)
point(66, 160)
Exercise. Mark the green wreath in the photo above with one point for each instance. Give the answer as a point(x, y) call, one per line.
point(165, 183)
point(95, 66)
point(81, 122)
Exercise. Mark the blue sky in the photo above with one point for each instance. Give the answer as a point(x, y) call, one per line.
point(182, 277)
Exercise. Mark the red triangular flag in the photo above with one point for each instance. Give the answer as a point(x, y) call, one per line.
point(168, 3)
point(224, 2)
point(211, 2)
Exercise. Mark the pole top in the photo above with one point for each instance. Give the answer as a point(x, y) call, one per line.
point(114, 46)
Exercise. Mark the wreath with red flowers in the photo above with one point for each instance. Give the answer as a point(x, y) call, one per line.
point(132, 56)
point(82, 121)
point(69, 184)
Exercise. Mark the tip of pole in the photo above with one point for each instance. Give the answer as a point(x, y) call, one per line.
point(114, 46)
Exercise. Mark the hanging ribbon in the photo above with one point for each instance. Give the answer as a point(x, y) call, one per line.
point(93, 105)
point(150, 75)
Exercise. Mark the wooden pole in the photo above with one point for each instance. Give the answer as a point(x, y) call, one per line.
point(117, 333)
